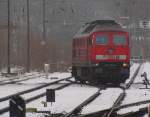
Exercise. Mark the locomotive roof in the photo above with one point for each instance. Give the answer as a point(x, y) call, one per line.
point(99, 25)
point(111, 22)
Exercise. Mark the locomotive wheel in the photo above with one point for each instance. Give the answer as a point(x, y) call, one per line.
point(120, 79)
point(92, 78)
point(124, 78)
point(78, 76)
point(75, 74)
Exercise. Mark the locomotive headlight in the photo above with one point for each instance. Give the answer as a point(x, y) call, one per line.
point(96, 64)
point(125, 64)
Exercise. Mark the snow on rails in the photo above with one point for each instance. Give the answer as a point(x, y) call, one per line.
point(76, 100)
point(33, 93)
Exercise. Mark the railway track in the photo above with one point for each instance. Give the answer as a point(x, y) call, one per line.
point(77, 109)
point(110, 112)
point(139, 113)
point(17, 79)
point(32, 90)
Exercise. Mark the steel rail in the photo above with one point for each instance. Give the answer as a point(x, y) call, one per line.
point(108, 112)
point(139, 113)
point(133, 78)
point(13, 80)
point(32, 89)
point(122, 95)
point(77, 109)
point(122, 107)
point(14, 77)
point(132, 104)
point(6, 109)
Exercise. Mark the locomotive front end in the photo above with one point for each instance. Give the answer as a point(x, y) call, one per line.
point(111, 55)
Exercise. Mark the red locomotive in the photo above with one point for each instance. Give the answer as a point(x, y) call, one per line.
point(101, 53)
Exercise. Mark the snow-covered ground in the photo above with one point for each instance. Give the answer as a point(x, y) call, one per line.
point(66, 99)
point(135, 95)
point(51, 78)
point(137, 92)
point(31, 94)
point(104, 101)
point(70, 97)
point(9, 89)
point(13, 88)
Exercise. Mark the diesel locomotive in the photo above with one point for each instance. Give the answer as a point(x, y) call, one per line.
point(101, 53)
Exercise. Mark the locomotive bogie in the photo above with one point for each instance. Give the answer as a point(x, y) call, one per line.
point(112, 73)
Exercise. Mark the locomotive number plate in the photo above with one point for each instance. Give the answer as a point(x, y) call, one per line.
point(111, 56)
point(100, 57)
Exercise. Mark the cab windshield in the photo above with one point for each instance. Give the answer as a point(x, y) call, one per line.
point(119, 39)
point(102, 39)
